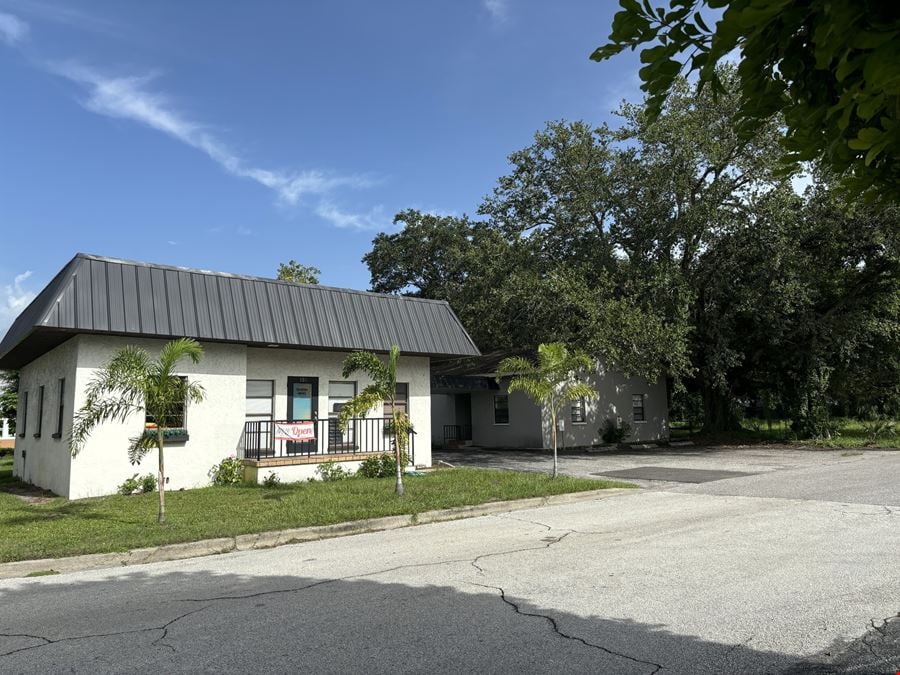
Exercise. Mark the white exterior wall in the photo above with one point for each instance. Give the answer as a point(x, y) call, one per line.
point(523, 430)
point(214, 426)
point(46, 461)
point(614, 402)
point(279, 364)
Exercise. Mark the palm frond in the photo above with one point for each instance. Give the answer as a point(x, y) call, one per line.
point(369, 398)
point(536, 388)
point(140, 445)
point(393, 360)
point(93, 413)
point(572, 391)
point(176, 350)
point(367, 363)
point(515, 365)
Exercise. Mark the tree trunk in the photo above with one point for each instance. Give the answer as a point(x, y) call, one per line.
point(162, 477)
point(718, 415)
point(553, 436)
point(398, 452)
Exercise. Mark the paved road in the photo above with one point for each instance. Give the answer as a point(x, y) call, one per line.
point(668, 581)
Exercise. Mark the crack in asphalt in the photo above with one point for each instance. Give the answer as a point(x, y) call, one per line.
point(51, 641)
point(164, 628)
point(554, 625)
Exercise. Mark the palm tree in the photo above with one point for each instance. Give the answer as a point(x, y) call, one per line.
point(551, 382)
point(132, 382)
point(382, 389)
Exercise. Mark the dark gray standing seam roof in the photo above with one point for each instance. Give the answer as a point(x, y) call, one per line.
point(106, 296)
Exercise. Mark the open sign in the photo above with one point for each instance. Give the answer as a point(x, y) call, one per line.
point(295, 431)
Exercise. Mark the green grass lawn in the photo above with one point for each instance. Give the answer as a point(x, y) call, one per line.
point(61, 527)
point(851, 434)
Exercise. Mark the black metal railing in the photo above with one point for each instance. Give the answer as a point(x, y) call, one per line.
point(457, 432)
point(362, 435)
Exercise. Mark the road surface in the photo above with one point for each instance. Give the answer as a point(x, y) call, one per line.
point(795, 571)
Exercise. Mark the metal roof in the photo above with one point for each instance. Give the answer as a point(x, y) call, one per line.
point(93, 294)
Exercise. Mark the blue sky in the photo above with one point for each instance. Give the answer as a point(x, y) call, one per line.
point(235, 135)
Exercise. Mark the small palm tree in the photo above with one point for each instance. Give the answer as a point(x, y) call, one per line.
point(132, 382)
point(383, 388)
point(552, 382)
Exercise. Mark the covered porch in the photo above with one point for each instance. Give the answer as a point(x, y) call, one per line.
point(275, 443)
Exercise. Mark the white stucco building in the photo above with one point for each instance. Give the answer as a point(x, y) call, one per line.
point(469, 407)
point(272, 353)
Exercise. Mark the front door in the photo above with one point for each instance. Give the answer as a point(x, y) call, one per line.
point(303, 406)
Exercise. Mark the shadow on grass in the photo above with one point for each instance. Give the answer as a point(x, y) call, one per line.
point(185, 621)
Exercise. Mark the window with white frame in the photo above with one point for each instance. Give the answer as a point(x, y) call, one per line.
point(259, 400)
point(339, 394)
point(501, 409)
point(637, 408)
point(578, 407)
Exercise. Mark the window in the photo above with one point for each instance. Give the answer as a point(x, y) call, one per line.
point(174, 420)
point(401, 400)
point(60, 407)
point(637, 408)
point(24, 414)
point(339, 394)
point(578, 411)
point(258, 405)
point(501, 409)
point(37, 433)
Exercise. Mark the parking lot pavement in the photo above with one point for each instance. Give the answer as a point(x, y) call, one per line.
point(763, 460)
point(650, 582)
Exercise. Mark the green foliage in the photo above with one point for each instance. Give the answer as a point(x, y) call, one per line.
point(230, 471)
point(299, 274)
point(552, 382)
point(58, 527)
point(133, 383)
point(138, 485)
point(9, 397)
point(381, 466)
point(332, 471)
point(828, 68)
point(613, 433)
point(272, 480)
point(383, 388)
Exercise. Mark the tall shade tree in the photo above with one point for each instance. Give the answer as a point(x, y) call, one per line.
point(551, 382)
point(382, 389)
point(297, 273)
point(827, 67)
point(132, 382)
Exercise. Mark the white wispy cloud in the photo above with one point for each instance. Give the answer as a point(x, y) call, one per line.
point(128, 97)
point(498, 9)
point(12, 29)
point(373, 219)
point(14, 298)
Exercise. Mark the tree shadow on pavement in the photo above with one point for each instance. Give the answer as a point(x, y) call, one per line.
point(169, 620)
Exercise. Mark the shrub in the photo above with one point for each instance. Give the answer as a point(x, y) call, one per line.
point(230, 471)
point(381, 466)
point(612, 433)
point(329, 471)
point(138, 485)
point(148, 483)
point(877, 427)
point(272, 480)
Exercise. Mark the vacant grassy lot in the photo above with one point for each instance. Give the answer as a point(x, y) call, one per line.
point(851, 434)
point(60, 527)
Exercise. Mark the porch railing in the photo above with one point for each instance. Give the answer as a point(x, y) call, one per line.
point(362, 435)
point(457, 432)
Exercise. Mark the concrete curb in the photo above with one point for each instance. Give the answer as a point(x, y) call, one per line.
point(263, 540)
